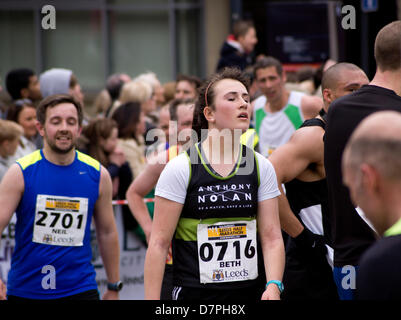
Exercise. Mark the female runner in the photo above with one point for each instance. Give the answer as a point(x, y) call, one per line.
point(217, 202)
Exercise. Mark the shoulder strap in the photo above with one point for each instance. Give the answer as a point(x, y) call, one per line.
point(315, 122)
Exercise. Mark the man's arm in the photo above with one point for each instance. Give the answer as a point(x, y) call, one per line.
point(11, 190)
point(310, 106)
point(289, 161)
point(140, 187)
point(106, 232)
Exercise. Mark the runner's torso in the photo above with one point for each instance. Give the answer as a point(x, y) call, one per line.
point(52, 257)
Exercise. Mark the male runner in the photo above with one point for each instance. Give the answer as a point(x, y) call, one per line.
point(351, 235)
point(278, 112)
point(299, 164)
point(55, 192)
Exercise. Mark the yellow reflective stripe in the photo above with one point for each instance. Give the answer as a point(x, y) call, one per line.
point(250, 138)
point(172, 152)
point(88, 160)
point(394, 230)
point(29, 159)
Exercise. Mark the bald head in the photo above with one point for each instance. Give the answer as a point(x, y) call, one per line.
point(341, 79)
point(377, 142)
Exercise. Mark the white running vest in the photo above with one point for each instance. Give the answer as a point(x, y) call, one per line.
point(276, 128)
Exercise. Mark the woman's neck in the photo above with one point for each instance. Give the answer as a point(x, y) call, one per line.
point(222, 147)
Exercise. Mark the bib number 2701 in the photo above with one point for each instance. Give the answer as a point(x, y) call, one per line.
point(60, 221)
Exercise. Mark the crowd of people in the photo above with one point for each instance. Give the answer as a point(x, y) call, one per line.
point(251, 197)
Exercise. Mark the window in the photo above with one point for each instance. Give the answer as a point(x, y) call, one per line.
point(96, 38)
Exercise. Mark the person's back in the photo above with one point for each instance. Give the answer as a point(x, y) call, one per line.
point(371, 170)
point(351, 236)
point(380, 260)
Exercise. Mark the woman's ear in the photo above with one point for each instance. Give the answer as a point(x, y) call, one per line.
point(209, 114)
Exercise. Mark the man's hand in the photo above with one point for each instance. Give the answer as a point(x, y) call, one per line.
point(311, 242)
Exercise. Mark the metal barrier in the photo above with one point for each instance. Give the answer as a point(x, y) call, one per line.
point(125, 202)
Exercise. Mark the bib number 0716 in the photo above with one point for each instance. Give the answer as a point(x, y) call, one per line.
point(206, 251)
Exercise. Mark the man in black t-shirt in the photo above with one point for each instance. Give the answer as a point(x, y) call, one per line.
point(371, 167)
point(299, 164)
point(350, 234)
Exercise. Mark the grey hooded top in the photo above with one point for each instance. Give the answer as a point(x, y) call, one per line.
point(55, 81)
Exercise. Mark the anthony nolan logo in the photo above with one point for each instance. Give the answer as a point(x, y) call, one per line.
point(218, 275)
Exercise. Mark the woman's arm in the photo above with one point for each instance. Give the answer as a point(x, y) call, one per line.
point(272, 245)
point(165, 220)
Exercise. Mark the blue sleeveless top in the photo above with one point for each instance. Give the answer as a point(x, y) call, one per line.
point(52, 256)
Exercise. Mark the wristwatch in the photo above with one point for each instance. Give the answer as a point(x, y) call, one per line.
point(117, 286)
point(278, 283)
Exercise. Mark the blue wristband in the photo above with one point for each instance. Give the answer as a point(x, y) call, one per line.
point(278, 283)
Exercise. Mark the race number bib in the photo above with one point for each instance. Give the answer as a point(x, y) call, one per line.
point(227, 251)
point(60, 221)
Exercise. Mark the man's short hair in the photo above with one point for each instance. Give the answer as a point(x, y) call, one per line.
point(331, 75)
point(388, 47)
point(16, 80)
point(267, 62)
point(195, 81)
point(54, 100)
point(174, 106)
point(241, 27)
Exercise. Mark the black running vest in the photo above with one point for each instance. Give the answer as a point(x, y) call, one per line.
point(302, 195)
point(212, 198)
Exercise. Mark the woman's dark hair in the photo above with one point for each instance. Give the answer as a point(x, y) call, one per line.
point(93, 132)
point(127, 117)
point(16, 108)
point(207, 95)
